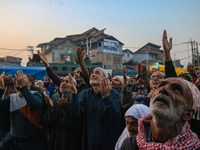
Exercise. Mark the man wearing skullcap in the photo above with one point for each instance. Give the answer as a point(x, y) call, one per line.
point(117, 82)
point(166, 127)
point(100, 106)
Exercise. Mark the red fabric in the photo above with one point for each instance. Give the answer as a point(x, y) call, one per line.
point(32, 116)
point(186, 140)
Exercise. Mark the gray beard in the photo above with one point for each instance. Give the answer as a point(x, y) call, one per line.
point(65, 91)
point(166, 116)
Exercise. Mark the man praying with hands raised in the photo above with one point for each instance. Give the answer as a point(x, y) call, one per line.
point(100, 106)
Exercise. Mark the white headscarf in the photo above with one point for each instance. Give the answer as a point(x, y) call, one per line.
point(136, 111)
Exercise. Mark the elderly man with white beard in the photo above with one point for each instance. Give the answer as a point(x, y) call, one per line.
point(166, 127)
point(100, 106)
point(64, 132)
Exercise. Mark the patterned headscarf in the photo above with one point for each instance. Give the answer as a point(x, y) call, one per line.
point(136, 111)
point(186, 139)
point(195, 94)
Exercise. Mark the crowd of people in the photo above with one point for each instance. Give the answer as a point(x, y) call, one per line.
point(95, 111)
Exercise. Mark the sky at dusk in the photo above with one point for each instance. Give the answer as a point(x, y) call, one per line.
point(133, 22)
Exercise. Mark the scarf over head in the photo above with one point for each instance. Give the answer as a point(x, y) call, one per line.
point(195, 96)
point(136, 111)
point(186, 140)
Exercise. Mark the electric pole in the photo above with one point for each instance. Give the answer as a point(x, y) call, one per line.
point(192, 51)
point(197, 54)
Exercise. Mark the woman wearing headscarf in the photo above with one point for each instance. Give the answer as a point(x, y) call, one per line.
point(132, 115)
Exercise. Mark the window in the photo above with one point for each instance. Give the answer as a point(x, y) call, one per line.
point(99, 44)
point(55, 68)
point(64, 68)
point(108, 57)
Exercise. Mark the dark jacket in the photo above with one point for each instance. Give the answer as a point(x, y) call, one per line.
point(101, 117)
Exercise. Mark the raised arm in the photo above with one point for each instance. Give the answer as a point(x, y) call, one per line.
point(33, 100)
point(52, 75)
point(126, 98)
point(145, 76)
point(111, 99)
point(77, 108)
point(167, 46)
point(85, 71)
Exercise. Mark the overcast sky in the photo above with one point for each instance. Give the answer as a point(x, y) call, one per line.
point(30, 22)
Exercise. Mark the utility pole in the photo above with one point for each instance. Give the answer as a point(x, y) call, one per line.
point(30, 49)
point(174, 60)
point(197, 54)
point(87, 45)
point(192, 51)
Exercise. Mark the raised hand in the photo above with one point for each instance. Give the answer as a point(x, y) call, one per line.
point(43, 58)
point(9, 81)
point(80, 54)
point(124, 76)
point(167, 45)
point(62, 101)
point(139, 68)
point(2, 80)
point(151, 94)
point(144, 71)
point(71, 84)
point(105, 87)
point(22, 79)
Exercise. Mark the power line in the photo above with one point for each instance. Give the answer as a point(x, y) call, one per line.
point(185, 57)
point(17, 53)
point(9, 49)
point(179, 51)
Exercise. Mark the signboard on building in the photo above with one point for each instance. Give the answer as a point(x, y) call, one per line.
point(110, 46)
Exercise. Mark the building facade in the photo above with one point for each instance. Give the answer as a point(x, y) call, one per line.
point(127, 55)
point(10, 61)
point(147, 55)
point(102, 49)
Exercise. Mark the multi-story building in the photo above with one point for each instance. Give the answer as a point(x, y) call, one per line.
point(10, 61)
point(148, 55)
point(102, 49)
point(127, 55)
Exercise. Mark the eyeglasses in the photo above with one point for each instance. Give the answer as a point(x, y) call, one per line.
point(157, 77)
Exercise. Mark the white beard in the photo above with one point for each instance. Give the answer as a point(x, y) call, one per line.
point(64, 91)
point(170, 115)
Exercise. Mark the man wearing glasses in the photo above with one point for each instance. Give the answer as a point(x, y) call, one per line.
point(155, 80)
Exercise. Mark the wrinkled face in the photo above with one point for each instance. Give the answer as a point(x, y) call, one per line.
point(63, 86)
point(155, 79)
point(40, 84)
point(77, 74)
point(132, 125)
point(96, 77)
point(170, 100)
point(116, 83)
